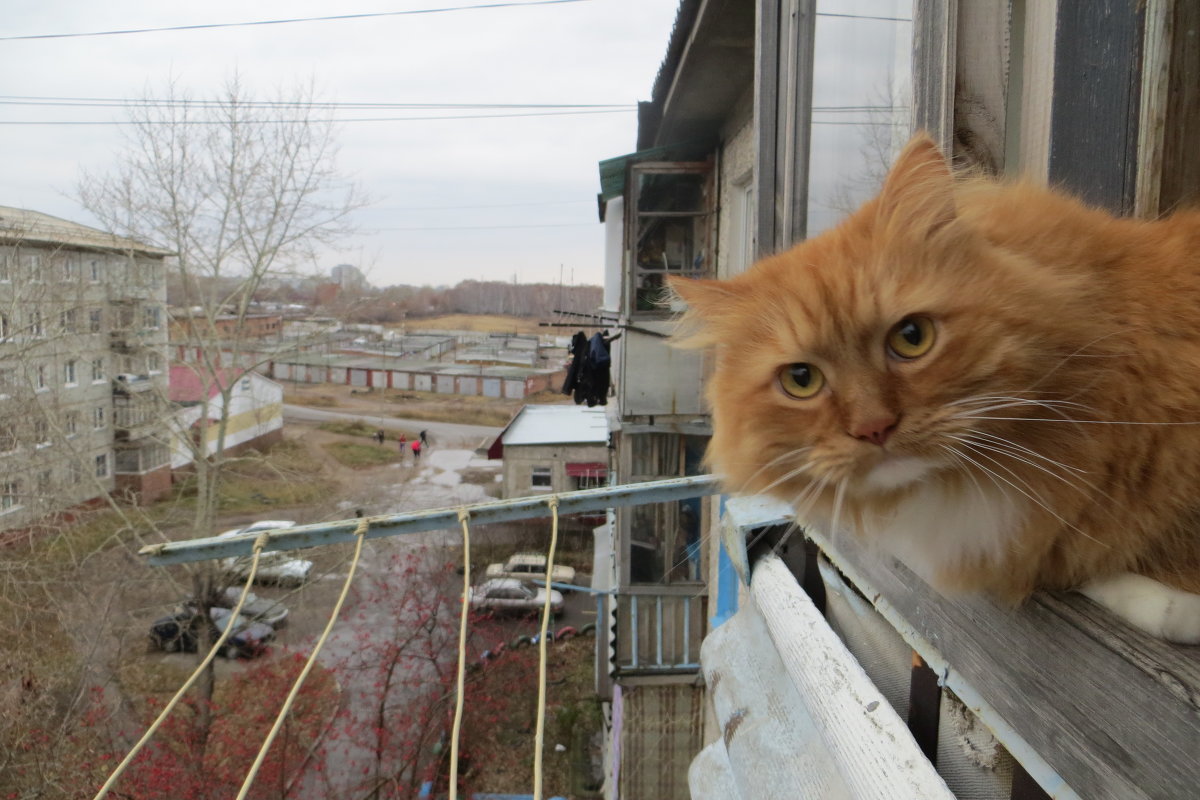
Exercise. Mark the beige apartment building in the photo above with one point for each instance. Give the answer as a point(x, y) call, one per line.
point(83, 372)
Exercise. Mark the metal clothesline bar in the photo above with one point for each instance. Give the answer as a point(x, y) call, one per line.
point(320, 534)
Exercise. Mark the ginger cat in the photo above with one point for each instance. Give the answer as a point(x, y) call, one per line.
point(995, 382)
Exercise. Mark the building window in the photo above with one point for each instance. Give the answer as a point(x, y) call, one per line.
point(154, 363)
point(70, 268)
point(95, 320)
point(69, 373)
point(671, 213)
point(40, 378)
point(41, 433)
point(8, 438)
point(33, 263)
point(74, 473)
point(541, 478)
point(10, 495)
point(98, 418)
point(151, 317)
point(94, 270)
point(44, 482)
point(102, 465)
point(68, 320)
point(97, 370)
point(39, 329)
point(71, 423)
point(6, 268)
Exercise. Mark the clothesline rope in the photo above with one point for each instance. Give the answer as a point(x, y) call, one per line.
point(360, 534)
point(259, 543)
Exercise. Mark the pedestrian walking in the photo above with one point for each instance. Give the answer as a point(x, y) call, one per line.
point(403, 442)
point(424, 440)
point(380, 436)
point(416, 449)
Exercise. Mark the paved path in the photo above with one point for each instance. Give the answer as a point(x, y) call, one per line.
point(440, 432)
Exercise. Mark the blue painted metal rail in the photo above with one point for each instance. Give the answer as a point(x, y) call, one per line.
point(628, 494)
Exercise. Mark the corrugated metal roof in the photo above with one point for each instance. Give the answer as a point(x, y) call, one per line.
point(22, 225)
point(558, 424)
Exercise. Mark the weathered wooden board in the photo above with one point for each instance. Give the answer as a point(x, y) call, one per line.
point(1097, 90)
point(1114, 712)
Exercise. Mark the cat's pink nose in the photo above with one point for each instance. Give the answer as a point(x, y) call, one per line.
point(876, 431)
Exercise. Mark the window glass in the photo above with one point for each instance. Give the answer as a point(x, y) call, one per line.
point(540, 477)
point(672, 228)
point(862, 93)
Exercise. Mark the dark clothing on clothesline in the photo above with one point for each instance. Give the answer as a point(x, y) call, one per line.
point(588, 376)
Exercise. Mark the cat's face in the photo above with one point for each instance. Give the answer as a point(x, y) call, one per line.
point(859, 360)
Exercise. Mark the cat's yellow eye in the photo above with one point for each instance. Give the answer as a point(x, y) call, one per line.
point(911, 337)
point(801, 380)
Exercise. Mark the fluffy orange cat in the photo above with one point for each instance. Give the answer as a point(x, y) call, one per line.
point(994, 381)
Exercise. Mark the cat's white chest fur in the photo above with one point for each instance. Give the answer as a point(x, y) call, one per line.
point(940, 525)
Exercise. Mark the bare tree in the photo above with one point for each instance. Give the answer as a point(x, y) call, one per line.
point(241, 191)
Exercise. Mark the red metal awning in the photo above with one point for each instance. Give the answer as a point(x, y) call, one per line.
point(587, 469)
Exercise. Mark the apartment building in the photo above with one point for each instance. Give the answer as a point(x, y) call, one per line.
point(83, 378)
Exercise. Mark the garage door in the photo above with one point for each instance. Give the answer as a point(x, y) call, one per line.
point(491, 387)
point(445, 384)
point(358, 377)
point(423, 383)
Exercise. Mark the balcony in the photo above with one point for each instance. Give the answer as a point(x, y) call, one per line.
point(658, 630)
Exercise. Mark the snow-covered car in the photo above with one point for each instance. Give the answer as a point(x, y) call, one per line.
point(181, 631)
point(509, 595)
point(527, 566)
point(259, 609)
point(273, 566)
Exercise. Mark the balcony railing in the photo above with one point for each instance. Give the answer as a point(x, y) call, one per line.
point(659, 629)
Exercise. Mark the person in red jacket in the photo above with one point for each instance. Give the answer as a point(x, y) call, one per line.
point(416, 449)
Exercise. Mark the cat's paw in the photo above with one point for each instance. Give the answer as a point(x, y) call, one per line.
point(1156, 608)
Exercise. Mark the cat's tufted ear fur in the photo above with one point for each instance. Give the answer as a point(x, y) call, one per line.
point(709, 303)
point(918, 194)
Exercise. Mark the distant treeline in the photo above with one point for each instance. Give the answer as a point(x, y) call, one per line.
point(396, 303)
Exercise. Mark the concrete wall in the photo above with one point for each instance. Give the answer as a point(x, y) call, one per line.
point(520, 460)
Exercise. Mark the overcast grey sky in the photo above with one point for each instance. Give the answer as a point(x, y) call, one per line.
point(453, 199)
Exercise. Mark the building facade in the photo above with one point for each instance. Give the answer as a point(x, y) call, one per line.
point(83, 335)
point(551, 449)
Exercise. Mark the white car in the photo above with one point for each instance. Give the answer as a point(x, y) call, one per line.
point(527, 566)
point(258, 609)
point(274, 566)
point(509, 595)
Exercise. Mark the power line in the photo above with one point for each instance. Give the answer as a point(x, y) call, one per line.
point(309, 120)
point(331, 18)
point(494, 227)
point(123, 102)
point(491, 205)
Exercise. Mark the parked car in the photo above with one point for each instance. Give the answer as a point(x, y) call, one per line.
point(255, 608)
point(274, 566)
point(509, 595)
point(181, 632)
point(525, 566)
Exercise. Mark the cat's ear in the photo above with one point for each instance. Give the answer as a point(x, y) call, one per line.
point(918, 193)
point(709, 303)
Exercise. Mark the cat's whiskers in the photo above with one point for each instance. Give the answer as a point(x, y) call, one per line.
point(1031, 494)
point(796, 453)
point(990, 447)
point(839, 496)
point(1077, 354)
point(1016, 402)
point(803, 502)
point(1002, 441)
point(958, 460)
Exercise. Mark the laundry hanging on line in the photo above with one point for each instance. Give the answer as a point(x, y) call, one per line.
point(588, 376)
